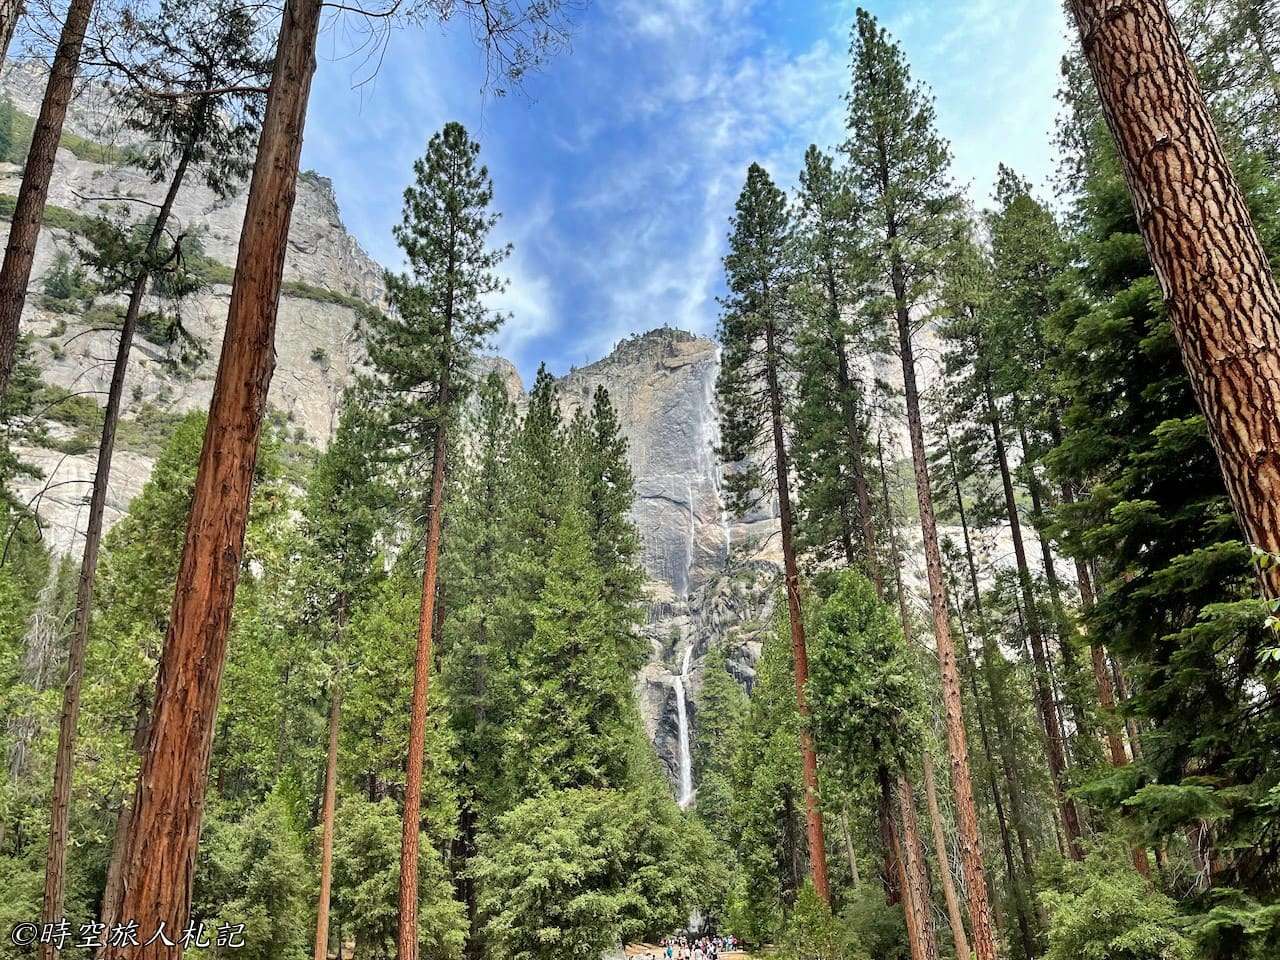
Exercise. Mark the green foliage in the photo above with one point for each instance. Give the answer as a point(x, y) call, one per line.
point(54, 217)
point(574, 872)
point(15, 140)
point(366, 877)
point(573, 721)
point(421, 350)
point(253, 871)
point(753, 333)
point(768, 796)
point(812, 932)
point(65, 285)
point(1102, 910)
point(879, 928)
point(865, 693)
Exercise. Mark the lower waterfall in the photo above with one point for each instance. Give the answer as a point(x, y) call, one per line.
point(685, 796)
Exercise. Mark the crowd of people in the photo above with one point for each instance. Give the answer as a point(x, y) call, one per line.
point(696, 948)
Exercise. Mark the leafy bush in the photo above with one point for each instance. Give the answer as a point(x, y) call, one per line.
point(878, 927)
point(1103, 910)
point(572, 873)
point(366, 877)
point(253, 871)
point(812, 932)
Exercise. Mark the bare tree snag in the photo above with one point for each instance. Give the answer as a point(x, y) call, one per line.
point(28, 210)
point(1222, 298)
point(165, 825)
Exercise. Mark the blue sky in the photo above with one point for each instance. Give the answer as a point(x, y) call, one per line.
point(617, 170)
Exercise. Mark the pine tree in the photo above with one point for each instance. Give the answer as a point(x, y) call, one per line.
point(899, 168)
point(342, 517)
point(1172, 573)
point(606, 491)
point(756, 334)
point(868, 706)
point(421, 353)
point(834, 505)
point(572, 726)
point(478, 671)
point(974, 335)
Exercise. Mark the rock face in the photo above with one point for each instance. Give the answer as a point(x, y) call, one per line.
point(711, 576)
point(316, 345)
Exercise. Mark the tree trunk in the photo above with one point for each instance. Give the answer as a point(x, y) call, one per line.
point(28, 210)
point(1045, 699)
point(800, 656)
point(112, 892)
point(892, 867)
point(854, 875)
point(1222, 298)
point(944, 861)
point(897, 855)
point(1107, 700)
point(917, 878)
point(165, 826)
point(1122, 697)
point(1002, 724)
point(984, 941)
point(64, 760)
point(1006, 846)
point(1065, 629)
point(904, 614)
point(990, 655)
point(11, 12)
point(326, 820)
point(411, 834)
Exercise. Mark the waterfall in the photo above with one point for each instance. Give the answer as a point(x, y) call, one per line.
point(710, 443)
point(685, 796)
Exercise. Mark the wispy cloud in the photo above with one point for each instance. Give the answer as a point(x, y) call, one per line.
point(618, 172)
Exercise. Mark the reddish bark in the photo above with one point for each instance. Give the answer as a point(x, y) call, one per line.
point(1221, 295)
point(813, 812)
point(917, 877)
point(954, 915)
point(64, 759)
point(28, 210)
point(410, 837)
point(165, 825)
point(1046, 702)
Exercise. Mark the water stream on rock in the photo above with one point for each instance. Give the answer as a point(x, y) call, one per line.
point(682, 720)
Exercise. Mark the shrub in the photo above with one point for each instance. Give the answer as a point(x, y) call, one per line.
point(1103, 910)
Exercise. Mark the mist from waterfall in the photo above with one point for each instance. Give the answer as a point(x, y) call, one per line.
point(685, 795)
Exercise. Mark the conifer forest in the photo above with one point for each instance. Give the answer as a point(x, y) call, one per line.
point(921, 603)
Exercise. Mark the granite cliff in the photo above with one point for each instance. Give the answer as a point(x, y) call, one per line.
point(710, 576)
